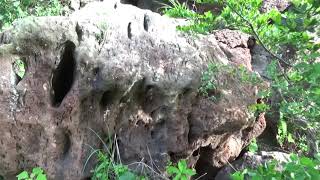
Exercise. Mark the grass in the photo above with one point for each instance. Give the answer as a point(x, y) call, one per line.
point(110, 166)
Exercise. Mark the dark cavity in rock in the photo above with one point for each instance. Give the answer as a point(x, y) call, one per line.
point(63, 76)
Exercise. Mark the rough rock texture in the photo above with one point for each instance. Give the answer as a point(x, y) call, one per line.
point(117, 69)
point(281, 5)
point(251, 161)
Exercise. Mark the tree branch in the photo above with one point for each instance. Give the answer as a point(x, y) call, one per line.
point(258, 38)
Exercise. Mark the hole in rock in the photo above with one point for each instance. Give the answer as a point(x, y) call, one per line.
point(196, 153)
point(108, 97)
point(79, 32)
point(146, 22)
point(19, 68)
point(67, 143)
point(129, 31)
point(203, 165)
point(63, 76)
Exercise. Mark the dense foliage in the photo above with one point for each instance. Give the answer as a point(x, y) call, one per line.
point(11, 10)
point(290, 38)
point(296, 168)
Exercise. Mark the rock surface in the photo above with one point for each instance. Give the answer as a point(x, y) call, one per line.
point(115, 68)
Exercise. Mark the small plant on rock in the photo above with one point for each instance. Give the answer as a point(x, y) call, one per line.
point(36, 174)
point(208, 80)
point(253, 146)
point(181, 171)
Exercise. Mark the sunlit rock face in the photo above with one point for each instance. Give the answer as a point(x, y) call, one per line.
point(117, 69)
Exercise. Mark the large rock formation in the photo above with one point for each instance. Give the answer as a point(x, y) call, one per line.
point(117, 69)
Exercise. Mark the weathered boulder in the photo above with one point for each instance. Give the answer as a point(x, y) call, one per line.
point(251, 161)
point(115, 68)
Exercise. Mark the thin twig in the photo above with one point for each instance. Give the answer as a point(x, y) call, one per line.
point(146, 165)
point(231, 166)
point(117, 146)
point(85, 164)
point(201, 176)
point(152, 162)
point(257, 36)
point(105, 145)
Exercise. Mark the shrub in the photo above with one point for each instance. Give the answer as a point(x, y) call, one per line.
point(11, 10)
point(296, 168)
point(289, 37)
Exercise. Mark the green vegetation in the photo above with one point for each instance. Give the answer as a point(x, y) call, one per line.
point(19, 68)
point(108, 169)
point(289, 38)
point(295, 71)
point(253, 146)
point(109, 166)
point(210, 77)
point(181, 172)
point(208, 80)
point(11, 10)
point(296, 168)
point(36, 174)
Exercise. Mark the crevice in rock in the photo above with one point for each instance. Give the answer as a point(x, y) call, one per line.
point(251, 42)
point(203, 165)
point(191, 135)
point(63, 76)
point(146, 22)
point(67, 143)
point(79, 32)
point(129, 31)
point(108, 97)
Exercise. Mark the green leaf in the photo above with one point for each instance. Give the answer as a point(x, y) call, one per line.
point(173, 170)
point(177, 177)
point(253, 146)
point(290, 138)
point(16, 3)
point(37, 171)
point(275, 15)
point(190, 172)
point(128, 176)
point(307, 162)
point(184, 177)
point(41, 177)
point(23, 175)
point(182, 165)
